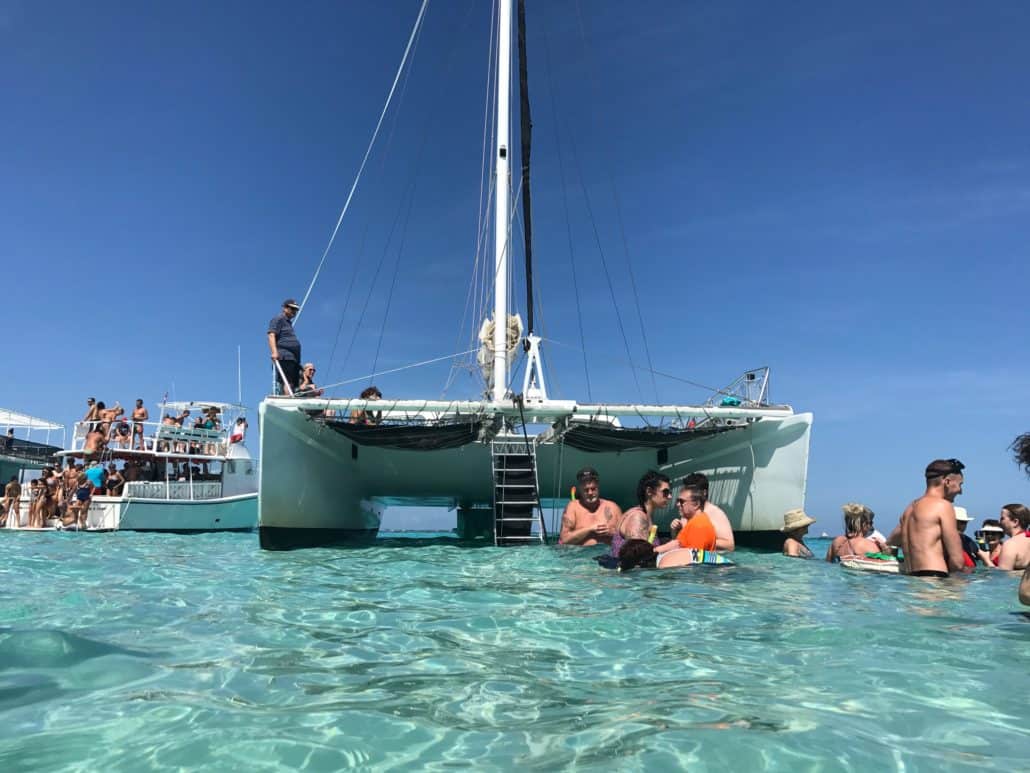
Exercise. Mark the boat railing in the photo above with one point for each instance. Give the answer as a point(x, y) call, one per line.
point(174, 490)
point(158, 437)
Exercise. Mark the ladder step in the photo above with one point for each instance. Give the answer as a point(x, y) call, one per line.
point(517, 520)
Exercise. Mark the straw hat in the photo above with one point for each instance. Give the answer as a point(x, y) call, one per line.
point(796, 519)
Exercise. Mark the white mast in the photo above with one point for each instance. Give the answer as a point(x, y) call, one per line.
point(500, 344)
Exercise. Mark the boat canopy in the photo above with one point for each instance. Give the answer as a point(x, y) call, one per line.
point(597, 437)
point(201, 405)
point(17, 420)
point(429, 436)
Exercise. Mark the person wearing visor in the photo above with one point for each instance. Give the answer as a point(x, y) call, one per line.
point(928, 531)
point(989, 537)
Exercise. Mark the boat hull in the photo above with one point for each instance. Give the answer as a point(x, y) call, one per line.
point(318, 487)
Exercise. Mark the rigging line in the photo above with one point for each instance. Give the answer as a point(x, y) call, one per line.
point(350, 293)
point(656, 372)
point(618, 205)
point(368, 151)
point(483, 203)
point(393, 281)
point(604, 265)
point(396, 370)
point(568, 219)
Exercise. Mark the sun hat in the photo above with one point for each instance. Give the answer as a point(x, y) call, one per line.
point(796, 519)
point(962, 515)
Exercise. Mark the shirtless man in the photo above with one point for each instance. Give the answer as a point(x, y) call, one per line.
point(588, 519)
point(107, 416)
point(139, 415)
point(724, 539)
point(1015, 551)
point(928, 532)
point(92, 414)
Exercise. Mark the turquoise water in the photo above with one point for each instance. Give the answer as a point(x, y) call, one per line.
point(159, 652)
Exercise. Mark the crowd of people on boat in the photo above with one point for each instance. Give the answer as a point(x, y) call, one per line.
point(62, 493)
point(929, 541)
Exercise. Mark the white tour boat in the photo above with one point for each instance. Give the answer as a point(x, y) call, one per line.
point(185, 479)
point(500, 461)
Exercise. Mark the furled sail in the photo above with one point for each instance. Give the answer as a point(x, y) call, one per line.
point(486, 348)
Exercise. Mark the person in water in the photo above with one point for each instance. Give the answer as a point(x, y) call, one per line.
point(697, 533)
point(588, 519)
point(989, 538)
point(724, 539)
point(969, 546)
point(795, 527)
point(853, 543)
point(927, 531)
point(1015, 552)
point(640, 553)
point(1024, 587)
point(653, 493)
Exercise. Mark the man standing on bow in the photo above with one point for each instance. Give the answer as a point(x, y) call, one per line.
point(285, 347)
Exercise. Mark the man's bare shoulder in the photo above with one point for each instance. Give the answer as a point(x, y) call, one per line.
point(928, 507)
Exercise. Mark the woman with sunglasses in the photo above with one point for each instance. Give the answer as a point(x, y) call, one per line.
point(653, 493)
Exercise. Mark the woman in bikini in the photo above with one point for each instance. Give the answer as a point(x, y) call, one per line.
point(653, 493)
point(852, 543)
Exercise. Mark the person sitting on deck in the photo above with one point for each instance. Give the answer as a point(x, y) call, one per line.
point(1015, 552)
point(9, 439)
point(365, 416)
point(724, 539)
point(795, 527)
point(588, 519)
point(853, 543)
point(307, 386)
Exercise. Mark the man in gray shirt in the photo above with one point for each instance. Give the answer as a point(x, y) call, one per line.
point(285, 346)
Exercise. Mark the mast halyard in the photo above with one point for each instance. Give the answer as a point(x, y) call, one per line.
point(501, 204)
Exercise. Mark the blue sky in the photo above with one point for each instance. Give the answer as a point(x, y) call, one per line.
point(841, 193)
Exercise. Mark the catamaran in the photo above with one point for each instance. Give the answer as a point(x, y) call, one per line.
point(330, 467)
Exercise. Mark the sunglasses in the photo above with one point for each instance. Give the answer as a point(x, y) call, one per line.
point(665, 492)
point(956, 466)
point(681, 501)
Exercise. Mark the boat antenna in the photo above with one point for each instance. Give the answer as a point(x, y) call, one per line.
point(239, 378)
point(526, 130)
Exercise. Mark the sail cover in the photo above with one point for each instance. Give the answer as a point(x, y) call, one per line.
point(598, 438)
point(486, 345)
point(434, 436)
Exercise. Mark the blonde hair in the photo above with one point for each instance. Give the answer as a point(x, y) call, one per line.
point(855, 515)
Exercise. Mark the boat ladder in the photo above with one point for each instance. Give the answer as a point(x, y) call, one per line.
point(516, 496)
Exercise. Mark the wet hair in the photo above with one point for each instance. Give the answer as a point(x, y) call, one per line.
point(1021, 451)
point(698, 479)
point(1020, 513)
point(855, 516)
point(649, 480)
point(636, 552)
point(698, 493)
point(368, 392)
point(101, 405)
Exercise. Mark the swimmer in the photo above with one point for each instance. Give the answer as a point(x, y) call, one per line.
point(795, 527)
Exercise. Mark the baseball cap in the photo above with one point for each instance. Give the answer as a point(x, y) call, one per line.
point(290, 302)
